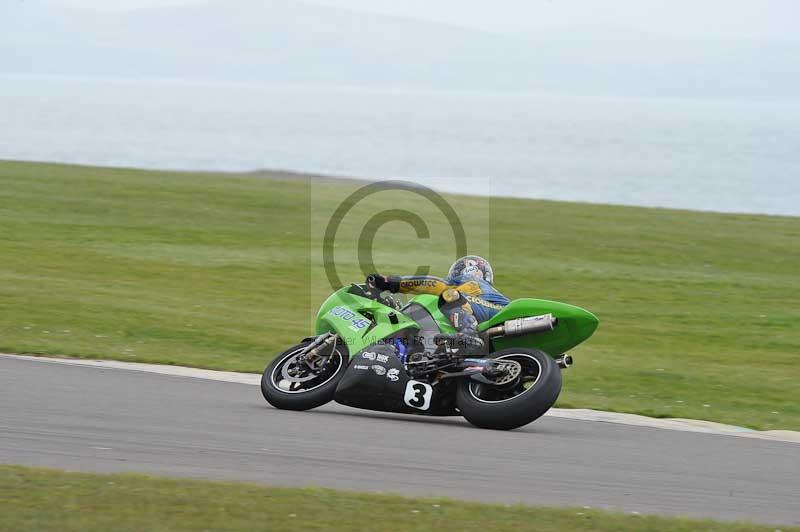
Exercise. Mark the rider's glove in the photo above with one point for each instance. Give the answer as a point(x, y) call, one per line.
point(382, 282)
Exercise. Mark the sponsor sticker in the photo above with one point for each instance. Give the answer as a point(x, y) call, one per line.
point(411, 283)
point(393, 374)
point(369, 355)
point(380, 370)
point(484, 303)
point(359, 366)
point(355, 320)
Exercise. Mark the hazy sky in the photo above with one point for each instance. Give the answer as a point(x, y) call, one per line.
point(774, 20)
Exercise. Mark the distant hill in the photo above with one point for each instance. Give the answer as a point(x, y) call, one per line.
point(288, 41)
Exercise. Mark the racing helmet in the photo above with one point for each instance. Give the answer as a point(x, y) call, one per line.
point(472, 266)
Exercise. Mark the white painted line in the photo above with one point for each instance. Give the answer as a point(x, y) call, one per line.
point(681, 424)
point(175, 371)
point(582, 414)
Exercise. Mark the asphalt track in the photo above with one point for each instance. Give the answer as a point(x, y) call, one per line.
point(92, 419)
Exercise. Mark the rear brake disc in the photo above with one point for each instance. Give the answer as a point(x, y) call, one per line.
point(509, 370)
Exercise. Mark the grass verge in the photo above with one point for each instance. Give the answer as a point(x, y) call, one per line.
point(40, 499)
point(699, 311)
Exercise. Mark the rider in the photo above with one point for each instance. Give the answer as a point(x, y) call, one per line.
point(467, 297)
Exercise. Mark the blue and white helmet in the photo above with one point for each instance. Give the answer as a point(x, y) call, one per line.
point(472, 266)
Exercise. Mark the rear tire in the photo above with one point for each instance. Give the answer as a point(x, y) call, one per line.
point(315, 393)
point(489, 407)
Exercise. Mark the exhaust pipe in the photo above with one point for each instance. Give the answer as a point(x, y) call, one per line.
point(520, 326)
point(564, 361)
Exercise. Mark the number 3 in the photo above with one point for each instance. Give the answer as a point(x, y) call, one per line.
point(418, 395)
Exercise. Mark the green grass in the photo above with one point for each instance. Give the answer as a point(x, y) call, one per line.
point(42, 500)
point(700, 312)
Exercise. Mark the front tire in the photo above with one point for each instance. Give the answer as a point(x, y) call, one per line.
point(314, 392)
point(517, 404)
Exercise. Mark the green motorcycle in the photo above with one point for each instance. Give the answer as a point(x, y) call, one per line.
point(371, 352)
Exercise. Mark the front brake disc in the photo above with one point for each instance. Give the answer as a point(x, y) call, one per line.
point(293, 372)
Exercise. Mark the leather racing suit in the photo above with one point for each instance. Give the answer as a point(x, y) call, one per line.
point(466, 300)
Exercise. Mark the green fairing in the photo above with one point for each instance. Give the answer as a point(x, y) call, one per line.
point(574, 323)
point(357, 339)
point(431, 304)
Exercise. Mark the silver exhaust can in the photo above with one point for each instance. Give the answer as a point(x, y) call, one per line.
point(533, 324)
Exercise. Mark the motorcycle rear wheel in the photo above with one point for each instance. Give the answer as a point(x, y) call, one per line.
point(511, 406)
point(318, 389)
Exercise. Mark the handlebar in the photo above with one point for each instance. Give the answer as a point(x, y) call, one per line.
point(371, 291)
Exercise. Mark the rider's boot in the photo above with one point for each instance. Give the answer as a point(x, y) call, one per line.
point(466, 342)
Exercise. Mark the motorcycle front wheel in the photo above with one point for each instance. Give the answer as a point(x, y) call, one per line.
point(518, 402)
point(287, 383)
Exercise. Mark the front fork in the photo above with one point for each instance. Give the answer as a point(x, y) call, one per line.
point(312, 355)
